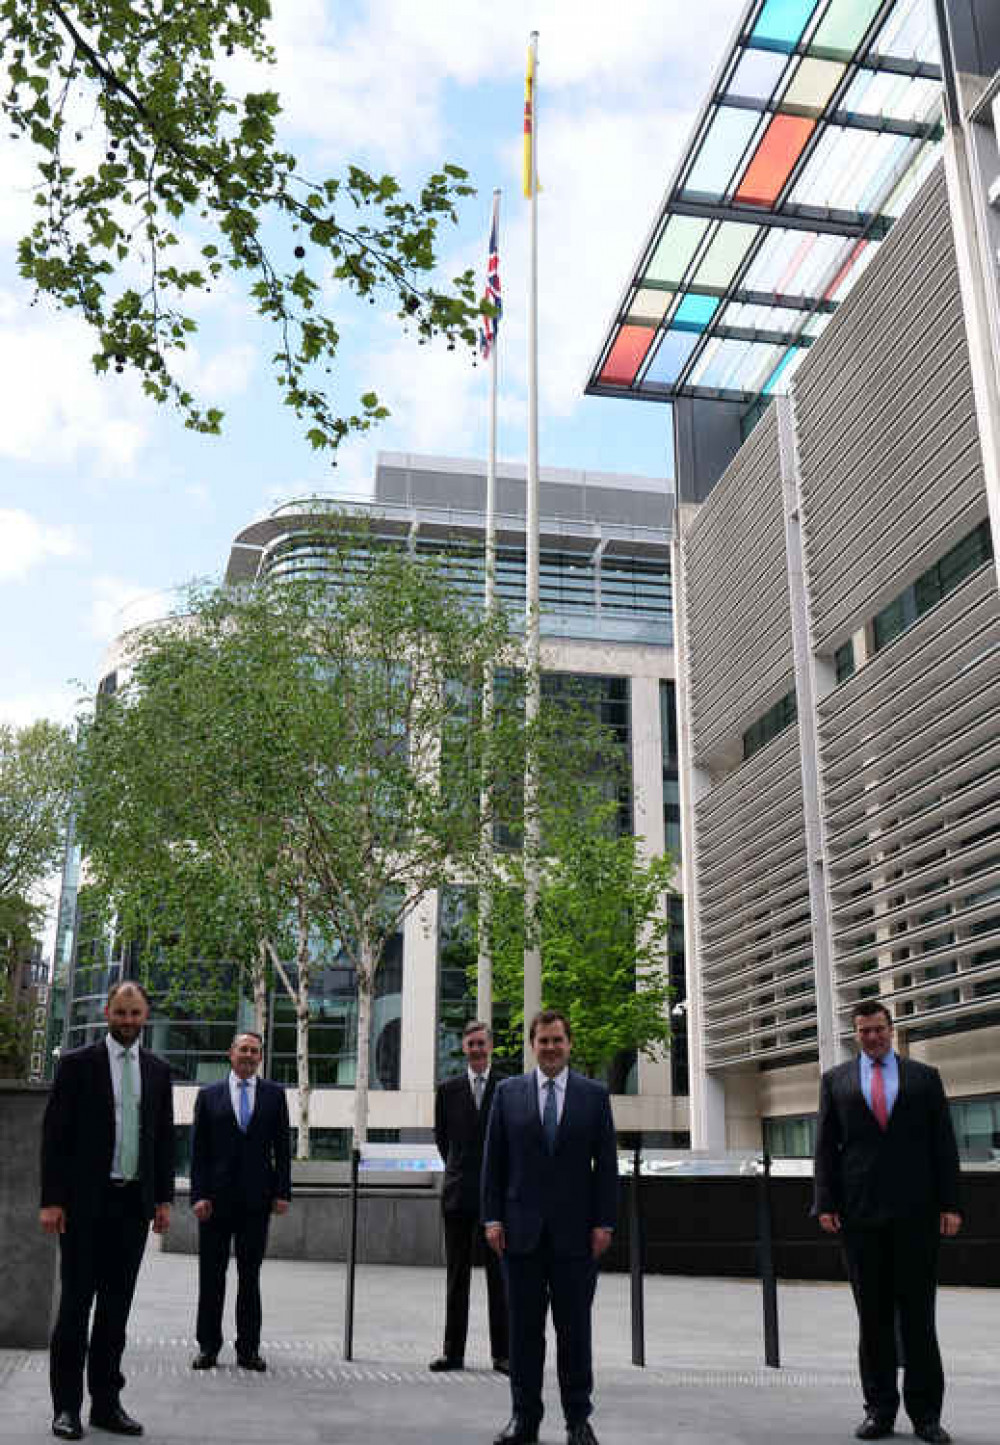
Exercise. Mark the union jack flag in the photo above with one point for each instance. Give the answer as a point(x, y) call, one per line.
point(489, 325)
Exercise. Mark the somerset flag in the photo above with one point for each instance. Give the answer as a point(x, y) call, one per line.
point(489, 325)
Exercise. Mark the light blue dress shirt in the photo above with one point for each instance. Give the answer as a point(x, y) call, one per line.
point(890, 1074)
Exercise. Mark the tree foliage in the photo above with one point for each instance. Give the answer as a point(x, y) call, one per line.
point(36, 779)
point(156, 182)
point(602, 927)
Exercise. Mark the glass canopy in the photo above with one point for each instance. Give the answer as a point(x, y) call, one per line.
point(824, 118)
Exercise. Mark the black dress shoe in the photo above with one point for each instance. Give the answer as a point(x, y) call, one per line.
point(114, 1419)
point(66, 1425)
point(873, 1428)
point(204, 1361)
point(581, 1434)
point(933, 1432)
point(502, 1366)
point(443, 1362)
point(517, 1432)
point(251, 1362)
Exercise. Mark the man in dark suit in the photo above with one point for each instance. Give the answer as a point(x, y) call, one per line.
point(461, 1110)
point(107, 1170)
point(549, 1199)
point(887, 1182)
point(240, 1175)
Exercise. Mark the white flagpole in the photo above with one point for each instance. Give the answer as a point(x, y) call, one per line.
point(484, 969)
point(532, 825)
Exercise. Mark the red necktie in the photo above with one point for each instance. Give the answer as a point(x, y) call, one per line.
point(879, 1108)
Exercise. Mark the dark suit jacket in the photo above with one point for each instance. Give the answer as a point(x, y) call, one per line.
point(870, 1177)
point(230, 1167)
point(78, 1135)
point(568, 1193)
point(460, 1133)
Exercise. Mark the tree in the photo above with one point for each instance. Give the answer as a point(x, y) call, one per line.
point(603, 928)
point(36, 778)
point(289, 766)
point(18, 920)
point(155, 183)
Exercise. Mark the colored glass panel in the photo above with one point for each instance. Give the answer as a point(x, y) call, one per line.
point(647, 305)
point(672, 356)
point(781, 23)
point(781, 375)
point(677, 245)
point(910, 33)
point(845, 269)
point(812, 85)
point(747, 317)
point(626, 355)
point(899, 97)
point(841, 29)
point(728, 135)
point(725, 255)
point(695, 312)
point(765, 176)
point(757, 74)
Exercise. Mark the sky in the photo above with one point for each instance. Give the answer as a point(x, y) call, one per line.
point(107, 502)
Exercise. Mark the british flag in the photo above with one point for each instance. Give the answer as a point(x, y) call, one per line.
point(489, 325)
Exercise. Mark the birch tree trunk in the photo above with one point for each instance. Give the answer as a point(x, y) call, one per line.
point(303, 981)
point(259, 980)
point(366, 988)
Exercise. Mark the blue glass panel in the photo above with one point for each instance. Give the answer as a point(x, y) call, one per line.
point(695, 312)
point(757, 75)
point(670, 360)
point(775, 377)
point(728, 135)
point(781, 24)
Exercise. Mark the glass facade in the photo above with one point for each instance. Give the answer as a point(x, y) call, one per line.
point(774, 721)
point(932, 586)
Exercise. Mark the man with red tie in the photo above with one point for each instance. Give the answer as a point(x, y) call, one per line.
point(887, 1182)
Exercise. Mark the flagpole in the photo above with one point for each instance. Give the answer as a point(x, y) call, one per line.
point(484, 970)
point(532, 827)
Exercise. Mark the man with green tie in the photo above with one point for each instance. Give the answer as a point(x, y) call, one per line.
point(107, 1170)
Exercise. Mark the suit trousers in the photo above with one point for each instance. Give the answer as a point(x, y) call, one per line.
point(99, 1262)
point(245, 1232)
point(534, 1281)
point(464, 1245)
point(893, 1273)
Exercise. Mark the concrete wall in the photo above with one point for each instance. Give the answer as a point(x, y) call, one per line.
point(29, 1257)
point(395, 1226)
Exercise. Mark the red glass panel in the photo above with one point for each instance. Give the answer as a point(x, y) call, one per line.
point(853, 255)
point(781, 146)
point(627, 355)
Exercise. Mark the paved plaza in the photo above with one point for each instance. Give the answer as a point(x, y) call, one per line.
point(704, 1382)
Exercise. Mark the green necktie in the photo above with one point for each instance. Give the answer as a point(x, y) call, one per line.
point(129, 1161)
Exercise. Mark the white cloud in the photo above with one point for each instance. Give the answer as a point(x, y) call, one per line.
point(57, 704)
point(25, 542)
point(225, 373)
point(119, 605)
point(53, 408)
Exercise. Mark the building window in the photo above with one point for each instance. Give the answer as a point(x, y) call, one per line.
point(774, 721)
point(977, 1126)
point(958, 563)
point(843, 660)
point(793, 1137)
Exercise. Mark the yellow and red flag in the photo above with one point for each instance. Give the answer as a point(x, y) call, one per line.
point(529, 122)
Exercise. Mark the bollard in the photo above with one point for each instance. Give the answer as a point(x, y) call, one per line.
point(765, 1255)
point(635, 1259)
point(352, 1252)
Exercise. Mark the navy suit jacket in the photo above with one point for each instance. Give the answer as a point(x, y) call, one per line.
point(78, 1135)
point(230, 1167)
point(567, 1193)
point(870, 1177)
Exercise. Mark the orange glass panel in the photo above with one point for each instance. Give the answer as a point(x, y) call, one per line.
point(781, 146)
point(627, 355)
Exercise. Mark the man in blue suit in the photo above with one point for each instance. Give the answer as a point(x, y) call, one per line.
point(240, 1174)
point(549, 1197)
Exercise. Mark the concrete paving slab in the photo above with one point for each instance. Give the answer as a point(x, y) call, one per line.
point(704, 1384)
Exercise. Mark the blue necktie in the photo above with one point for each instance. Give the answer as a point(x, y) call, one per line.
point(550, 1116)
point(244, 1104)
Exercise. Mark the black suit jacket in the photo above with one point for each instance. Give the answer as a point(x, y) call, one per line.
point(569, 1192)
point(460, 1134)
point(78, 1134)
point(230, 1167)
point(868, 1176)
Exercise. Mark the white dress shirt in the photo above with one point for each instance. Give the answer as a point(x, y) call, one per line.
point(560, 1082)
point(473, 1076)
point(234, 1093)
point(117, 1055)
